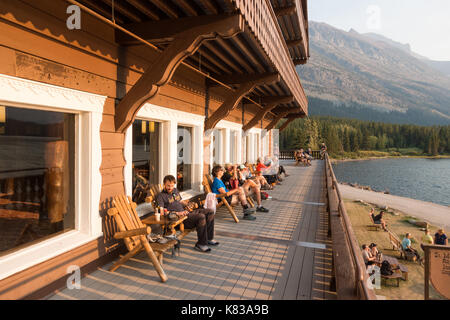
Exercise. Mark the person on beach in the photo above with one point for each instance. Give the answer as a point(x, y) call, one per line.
point(374, 251)
point(440, 238)
point(369, 259)
point(427, 238)
point(378, 219)
point(406, 244)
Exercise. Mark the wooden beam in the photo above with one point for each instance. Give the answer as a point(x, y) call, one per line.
point(165, 30)
point(285, 11)
point(233, 100)
point(259, 116)
point(160, 72)
point(277, 99)
point(238, 79)
point(286, 123)
point(162, 5)
point(144, 8)
point(187, 7)
point(274, 122)
point(298, 61)
point(294, 43)
point(271, 103)
point(296, 115)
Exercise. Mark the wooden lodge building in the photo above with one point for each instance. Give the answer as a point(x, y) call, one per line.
point(96, 94)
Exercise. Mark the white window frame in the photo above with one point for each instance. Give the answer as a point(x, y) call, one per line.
point(170, 119)
point(88, 110)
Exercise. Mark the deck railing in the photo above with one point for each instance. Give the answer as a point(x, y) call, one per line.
point(351, 278)
point(289, 154)
point(263, 23)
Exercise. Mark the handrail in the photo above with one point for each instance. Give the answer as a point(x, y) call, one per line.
point(361, 275)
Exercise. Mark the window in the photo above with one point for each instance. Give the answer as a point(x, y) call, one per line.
point(146, 136)
point(37, 159)
point(184, 160)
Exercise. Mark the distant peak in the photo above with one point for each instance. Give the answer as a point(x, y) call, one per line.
point(353, 31)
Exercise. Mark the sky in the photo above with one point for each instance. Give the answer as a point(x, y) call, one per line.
point(424, 24)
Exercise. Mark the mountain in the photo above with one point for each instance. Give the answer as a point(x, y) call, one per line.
point(441, 66)
point(354, 73)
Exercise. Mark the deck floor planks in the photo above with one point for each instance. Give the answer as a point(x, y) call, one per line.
point(239, 268)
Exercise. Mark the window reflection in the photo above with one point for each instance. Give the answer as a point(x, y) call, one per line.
point(146, 136)
point(184, 159)
point(36, 176)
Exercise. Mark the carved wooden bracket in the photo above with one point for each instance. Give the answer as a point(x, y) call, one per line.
point(233, 99)
point(284, 125)
point(185, 43)
point(254, 121)
point(271, 103)
point(274, 122)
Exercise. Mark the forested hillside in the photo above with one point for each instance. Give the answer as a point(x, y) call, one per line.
point(348, 135)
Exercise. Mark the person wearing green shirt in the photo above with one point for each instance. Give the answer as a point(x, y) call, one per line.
point(426, 238)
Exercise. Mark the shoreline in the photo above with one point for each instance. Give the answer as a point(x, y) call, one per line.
point(435, 214)
point(333, 161)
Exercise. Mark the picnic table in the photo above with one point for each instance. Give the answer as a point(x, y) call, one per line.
point(394, 263)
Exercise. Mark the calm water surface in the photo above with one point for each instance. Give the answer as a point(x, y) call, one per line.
point(421, 179)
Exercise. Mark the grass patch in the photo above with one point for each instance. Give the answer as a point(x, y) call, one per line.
point(413, 288)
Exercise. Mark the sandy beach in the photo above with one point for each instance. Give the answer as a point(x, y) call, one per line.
point(435, 214)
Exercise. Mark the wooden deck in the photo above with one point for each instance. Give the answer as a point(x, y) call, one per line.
point(284, 254)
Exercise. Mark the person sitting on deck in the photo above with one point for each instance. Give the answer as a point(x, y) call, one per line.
point(367, 256)
point(323, 149)
point(201, 219)
point(309, 154)
point(378, 219)
point(258, 178)
point(427, 238)
point(250, 187)
point(271, 178)
point(232, 196)
point(440, 238)
point(406, 244)
point(303, 158)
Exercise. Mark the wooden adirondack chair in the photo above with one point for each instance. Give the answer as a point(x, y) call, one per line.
point(133, 232)
point(207, 183)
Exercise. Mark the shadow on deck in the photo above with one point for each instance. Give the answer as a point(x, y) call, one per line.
point(284, 254)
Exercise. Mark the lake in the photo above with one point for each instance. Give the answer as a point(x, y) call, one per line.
point(421, 179)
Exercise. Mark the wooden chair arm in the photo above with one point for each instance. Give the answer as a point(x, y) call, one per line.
point(131, 233)
point(221, 195)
